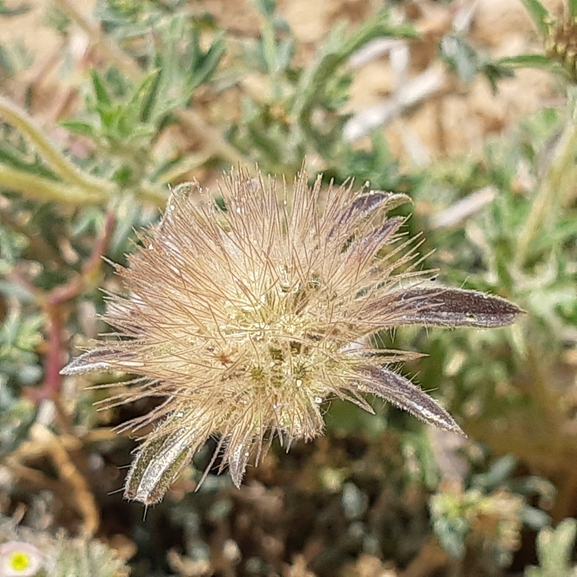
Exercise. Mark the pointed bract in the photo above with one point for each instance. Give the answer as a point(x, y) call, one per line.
point(401, 392)
point(448, 307)
point(90, 361)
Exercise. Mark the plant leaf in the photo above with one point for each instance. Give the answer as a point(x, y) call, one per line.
point(539, 14)
point(99, 88)
point(539, 61)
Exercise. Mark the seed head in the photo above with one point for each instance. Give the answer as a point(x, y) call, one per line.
point(245, 315)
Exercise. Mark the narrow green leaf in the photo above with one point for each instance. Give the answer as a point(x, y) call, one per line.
point(102, 96)
point(573, 9)
point(533, 61)
point(79, 127)
point(16, 11)
point(149, 96)
point(525, 60)
point(22, 162)
point(335, 52)
point(539, 14)
point(130, 122)
point(206, 64)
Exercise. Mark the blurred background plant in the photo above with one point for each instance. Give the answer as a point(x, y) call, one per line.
point(117, 100)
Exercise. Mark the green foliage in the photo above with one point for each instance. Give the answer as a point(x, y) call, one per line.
point(18, 340)
point(16, 11)
point(62, 556)
point(557, 35)
point(83, 557)
point(539, 14)
point(124, 118)
point(489, 515)
point(555, 550)
point(19, 337)
point(468, 63)
point(299, 113)
point(487, 254)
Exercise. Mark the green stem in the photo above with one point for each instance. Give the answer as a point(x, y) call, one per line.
point(184, 166)
point(59, 163)
point(34, 186)
point(78, 188)
point(152, 193)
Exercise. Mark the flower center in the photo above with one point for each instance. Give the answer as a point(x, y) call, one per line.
point(19, 560)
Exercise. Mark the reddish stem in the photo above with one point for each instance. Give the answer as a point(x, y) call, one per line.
point(53, 362)
point(90, 269)
point(53, 307)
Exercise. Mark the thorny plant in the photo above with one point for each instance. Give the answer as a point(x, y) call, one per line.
point(246, 319)
point(511, 402)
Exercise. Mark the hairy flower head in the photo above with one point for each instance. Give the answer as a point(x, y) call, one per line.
point(246, 314)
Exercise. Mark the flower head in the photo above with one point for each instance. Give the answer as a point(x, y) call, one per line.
point(246, 318)
point(18, 558)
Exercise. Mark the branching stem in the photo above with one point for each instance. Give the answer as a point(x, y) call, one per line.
point(59, 163)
